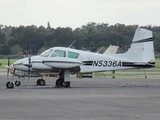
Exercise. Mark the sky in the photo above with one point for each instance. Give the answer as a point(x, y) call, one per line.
point(75, 13)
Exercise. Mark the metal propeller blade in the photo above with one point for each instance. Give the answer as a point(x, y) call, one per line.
point(8, 67)
point(29, 70)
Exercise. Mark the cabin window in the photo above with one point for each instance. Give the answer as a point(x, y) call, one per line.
point(46, 53)
point(59, 53)
point(73, 55)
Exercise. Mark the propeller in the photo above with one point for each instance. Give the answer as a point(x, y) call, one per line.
point(8, 67)
point(29, 67)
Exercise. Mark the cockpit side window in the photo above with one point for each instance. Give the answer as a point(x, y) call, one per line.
point(46, 53)
point(73, 55)
point(59, 53)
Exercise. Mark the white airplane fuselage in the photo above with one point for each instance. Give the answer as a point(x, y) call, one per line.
point(87, 61)
point(140, 55)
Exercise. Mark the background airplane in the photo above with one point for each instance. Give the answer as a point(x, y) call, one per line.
point(111, 50)
point(66, 61)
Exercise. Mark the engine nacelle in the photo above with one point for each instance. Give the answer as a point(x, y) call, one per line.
point(65, 63)
point(39, 65)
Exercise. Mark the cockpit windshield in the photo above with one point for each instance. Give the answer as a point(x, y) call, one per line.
point(46, 53)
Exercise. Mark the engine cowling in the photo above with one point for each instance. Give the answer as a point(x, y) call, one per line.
point(62, 63)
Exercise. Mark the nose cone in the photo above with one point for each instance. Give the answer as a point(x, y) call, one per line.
point(24, 63)
point(19, 64)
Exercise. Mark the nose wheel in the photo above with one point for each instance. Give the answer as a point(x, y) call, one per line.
point(10, 85)
point(17, 83)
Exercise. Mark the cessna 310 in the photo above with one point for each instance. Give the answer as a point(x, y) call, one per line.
point(66, 61)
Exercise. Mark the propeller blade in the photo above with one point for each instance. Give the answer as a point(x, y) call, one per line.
point(29, 70)
point(8, 67)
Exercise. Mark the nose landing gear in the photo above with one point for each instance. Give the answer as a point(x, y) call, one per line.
point(11, 84)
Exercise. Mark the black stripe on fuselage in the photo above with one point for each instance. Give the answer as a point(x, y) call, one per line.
point(133, 64)
point(89, 63)
point(144, 40)
point(60, 62)
point(36, 61)
point(127, 64)
point(15, 64)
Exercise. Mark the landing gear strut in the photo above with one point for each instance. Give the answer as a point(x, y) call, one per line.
point(61, 80)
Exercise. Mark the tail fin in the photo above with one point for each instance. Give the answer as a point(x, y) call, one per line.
point(142, 49)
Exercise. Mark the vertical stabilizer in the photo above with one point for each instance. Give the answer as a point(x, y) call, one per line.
point(141, 49)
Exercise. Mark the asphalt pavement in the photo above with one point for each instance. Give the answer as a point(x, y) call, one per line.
point(87, 99)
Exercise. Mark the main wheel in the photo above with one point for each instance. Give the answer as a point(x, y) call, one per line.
point(59, 83)
point(66, 84)
point(17, 83)
point(9, 85)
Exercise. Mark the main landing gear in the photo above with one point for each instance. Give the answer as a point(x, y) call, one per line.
point(60, 82)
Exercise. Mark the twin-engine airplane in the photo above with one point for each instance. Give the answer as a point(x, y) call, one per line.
point(66, 61)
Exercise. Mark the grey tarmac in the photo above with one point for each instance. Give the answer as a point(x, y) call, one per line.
point(87, 99)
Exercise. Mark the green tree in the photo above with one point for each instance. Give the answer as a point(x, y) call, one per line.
point(16, 49)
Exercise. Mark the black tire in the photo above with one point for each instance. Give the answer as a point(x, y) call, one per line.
point(17, 83)
point(10, 85)
point(42, 82)
point(59, 83)
point(66, 84)
point(38, 81)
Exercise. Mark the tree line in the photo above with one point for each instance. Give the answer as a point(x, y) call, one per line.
point(92, 36)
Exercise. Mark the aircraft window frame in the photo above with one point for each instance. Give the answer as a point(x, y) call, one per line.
point(46, 53)
point(73, 54)
point(59, 53)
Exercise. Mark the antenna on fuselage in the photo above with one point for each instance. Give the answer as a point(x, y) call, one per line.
point(72, 43)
